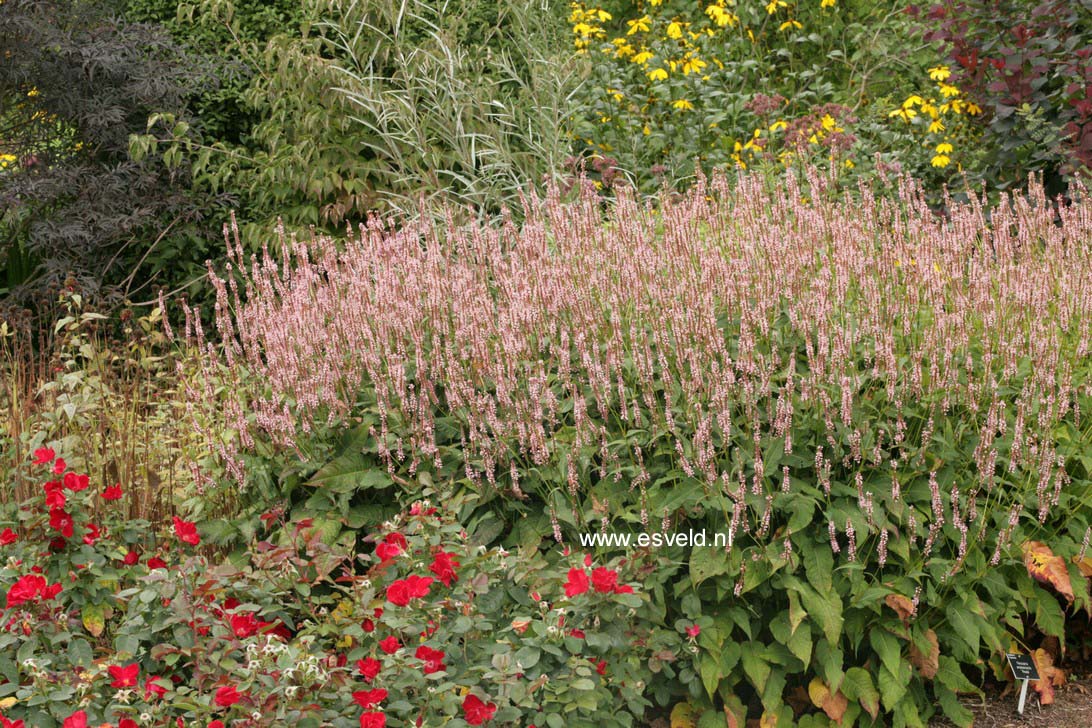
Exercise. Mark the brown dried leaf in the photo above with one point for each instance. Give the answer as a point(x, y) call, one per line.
point(903, 606)
point(1047, 568)
point(927, 664)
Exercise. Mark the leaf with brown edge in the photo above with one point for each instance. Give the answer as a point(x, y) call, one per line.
point(1085, 566)
point(1047, 568)
point(1049, 676)
point(927, 664)
point(903, 606)
point(833, 704)
point(682, 716)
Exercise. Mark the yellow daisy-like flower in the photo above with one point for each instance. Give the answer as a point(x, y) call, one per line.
point(6, 159)
point(973, 109)
point(693, 65)
point(657, 74)
point(643, 57)
point(646, 130)
point(778, 125)
point(941, 160)
point(603, 15)
point(682, 105)
point(939, 73)
point(790, 24)
point(674, 30)
point(944, 148)
point(936, 126)
point(904, 114)
point(640, 25)
point(850, 164)
point(912, 101)
point(948, 90)
point(828, 123)
point(720, 16)
point(828, 3)
point(773, 5)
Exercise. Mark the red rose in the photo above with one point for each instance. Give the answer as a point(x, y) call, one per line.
point(369, 667)
point(368, 698)
point(600, 666)
point(373, 720)
point(391, 546)
point(61, 522)
point(623, 589)
point(92, 534)
point(214, 724)
point(398, 593)
point(76, 483)
point(227, 696)
point(604, 580)
point(51, 591)
point(693, 630)
point(153, 689)
point(443, 566)
point(54, 496)
point(433, 659)
point(156, 563)
point(131, 558)
point(76, 720)
point(477, 712)
point(186, 531)
point(44, 455)
point(112, 492)
point(418, 586)
point(60, 466)
point(577, 583)
point(390, 645)
point(5, 723)
point(124, 677)
point(587, 559)
point(127, 723)
point(26, 588)
point(367, 625)
point(7, 537)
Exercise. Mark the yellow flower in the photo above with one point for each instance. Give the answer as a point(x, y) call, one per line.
point(904, 114)
point(657, 74)
point(693, 64)
point(828, 3)
point(828, 123)
point(642, 57)
point(674, 30)
point(682, 105)
point(6, 159)
point(654, 3)
point(948, 90)
point(720, 16)
point(603, 15)
point(640, 25)
point(850, 164)
point(813, 139)
point(941, 160)
point(773, 5)
point(616, 94)
point(973, 109)
point(912, 100)
point(944, 148)
point(928, 108)
point(778, 125)
point(936, 126)
point(939, 73)
point(646, 130)
point(790, 24)
point(32, 93)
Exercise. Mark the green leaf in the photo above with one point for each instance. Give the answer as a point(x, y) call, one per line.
point(952, 708)
point(710, 673)
point(888, 648)
point(950, 675)
point(858, 686)
point(819, 567)
point(755, 667)
point(350, 472)
point(893, 684)
point(964, 625)
point(706, 563)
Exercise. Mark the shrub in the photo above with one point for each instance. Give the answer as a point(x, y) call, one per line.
point(874, 402)
point(1027, 65)
point(97, 628)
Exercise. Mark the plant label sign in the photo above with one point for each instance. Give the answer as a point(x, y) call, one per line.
point(1023, 669)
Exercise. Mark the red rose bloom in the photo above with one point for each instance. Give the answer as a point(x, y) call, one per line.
point(127, 723)
point(227, 696)
point(76, 483)
point(443, 566)
point(433, 659)
point(152, 688)
point(61, 522)
point(5, 723)
point(124, 677)
point(577, 583)
point(186, 531)
point(391, 546)
point(92, 534)
point(60, 466)
point(54, 496)
point(604, 580)
point(368, 698)
point(112, 492)
point(373, 720)
point(44, 455)
point(369, 667)
point(76, 720)
point(26, 588)
point(214, 724)
point(131, 558)
point(7, 537)
point(477, 712)
point(367, 625)
point(398, 593)
point(390, 645)
point(156, 563)
point(418, 586)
